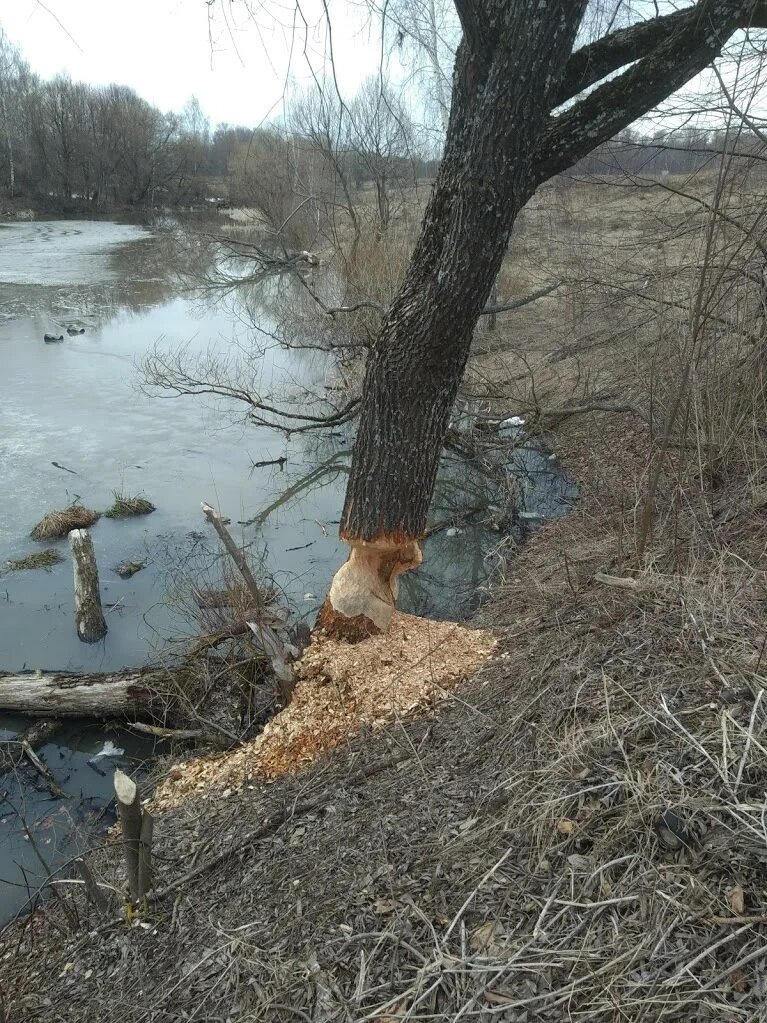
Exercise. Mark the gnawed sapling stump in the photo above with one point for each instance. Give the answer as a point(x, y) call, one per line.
point(137, 828)
point(89, 618)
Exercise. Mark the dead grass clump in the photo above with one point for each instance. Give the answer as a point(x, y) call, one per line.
point(57, 524)
point(41, 559)
point(124, 507)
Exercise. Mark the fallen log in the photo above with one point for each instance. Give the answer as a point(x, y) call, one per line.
point(125, 694)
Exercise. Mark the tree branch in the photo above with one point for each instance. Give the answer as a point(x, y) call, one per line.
point(590, 64)
point(691, 47)
point(473, 24)
point(517, 303)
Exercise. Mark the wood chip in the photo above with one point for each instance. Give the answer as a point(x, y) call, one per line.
point(342, 688)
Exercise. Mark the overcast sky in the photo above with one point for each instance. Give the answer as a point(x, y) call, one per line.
point(168, 50)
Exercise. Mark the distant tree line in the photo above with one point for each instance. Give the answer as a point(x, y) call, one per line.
point(678, 150)
point(106, 146)
point(67, 142)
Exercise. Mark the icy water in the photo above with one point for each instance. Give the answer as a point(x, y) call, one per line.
point(78, 404)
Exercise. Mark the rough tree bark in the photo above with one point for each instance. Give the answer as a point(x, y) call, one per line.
point(128, 694)
point(89, 617)
point(514, 66)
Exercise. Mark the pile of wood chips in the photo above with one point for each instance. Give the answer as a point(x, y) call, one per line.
point(342, 688)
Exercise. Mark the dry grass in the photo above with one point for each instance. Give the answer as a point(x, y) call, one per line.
point(576, 834)
point(125, 506)
point(57, 524)
point(40, 559)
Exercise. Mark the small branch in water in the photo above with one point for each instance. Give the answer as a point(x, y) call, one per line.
point(64, 468)
point(55, 789)
point(164, 733)
point(461, 516)
point(281, 461)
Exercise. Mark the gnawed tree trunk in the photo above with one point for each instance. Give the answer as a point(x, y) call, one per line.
point(89, 618)
point(514, 66)
point(415, 368)
point(127, 694)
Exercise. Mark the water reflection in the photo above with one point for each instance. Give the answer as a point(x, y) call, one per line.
point(80, 404)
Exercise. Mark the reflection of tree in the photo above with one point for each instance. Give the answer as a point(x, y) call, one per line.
point(320, 476)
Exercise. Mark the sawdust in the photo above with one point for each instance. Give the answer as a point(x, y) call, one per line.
point(342, 689)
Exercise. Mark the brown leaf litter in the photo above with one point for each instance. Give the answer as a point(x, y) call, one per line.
point(343, 688)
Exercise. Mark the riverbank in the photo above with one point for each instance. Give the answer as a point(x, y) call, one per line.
point(510, 849)
point(41, 207)
point(574, 832)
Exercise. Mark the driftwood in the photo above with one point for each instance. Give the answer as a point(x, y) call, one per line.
point(89, 618)
point(273, 645)
point(47, 775)
point(124, 694)
point(137, 828)
point(13, 751)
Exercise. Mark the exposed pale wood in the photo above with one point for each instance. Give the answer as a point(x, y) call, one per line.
point(234, 553)
point(164, 733)
point(89, 618)
point(621, 582)
point(129, 811)
point(269, 640)
point(61, 694)
point(364, 590)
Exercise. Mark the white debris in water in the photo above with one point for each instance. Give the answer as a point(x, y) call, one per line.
point(453, 531)
point(109, 750)
point(512, 421)
point(309, 596)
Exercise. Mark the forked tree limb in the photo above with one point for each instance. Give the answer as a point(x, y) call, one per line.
point(590, 64)
point(266, 636)
point(675, 60)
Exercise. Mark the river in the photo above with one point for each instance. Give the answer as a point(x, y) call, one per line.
point(79, 404)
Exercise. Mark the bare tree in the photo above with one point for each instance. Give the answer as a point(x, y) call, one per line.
point(384, 137)
point(517, 65)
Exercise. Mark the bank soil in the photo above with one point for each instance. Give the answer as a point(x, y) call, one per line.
point(576, 831)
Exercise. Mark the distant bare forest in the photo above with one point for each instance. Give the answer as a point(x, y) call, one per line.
point(68, 144)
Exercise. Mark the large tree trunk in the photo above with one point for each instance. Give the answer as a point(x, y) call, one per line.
point(505, 81)
point(514, 67)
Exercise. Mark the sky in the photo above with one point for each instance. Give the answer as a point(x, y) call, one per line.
point(237, 64)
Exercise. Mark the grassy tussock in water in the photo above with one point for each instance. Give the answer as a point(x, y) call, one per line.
point(126, 506)
point(41, 559)
point(57, 524)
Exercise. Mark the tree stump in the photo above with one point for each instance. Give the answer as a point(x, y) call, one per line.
point(137, 828)
point(89, 617)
